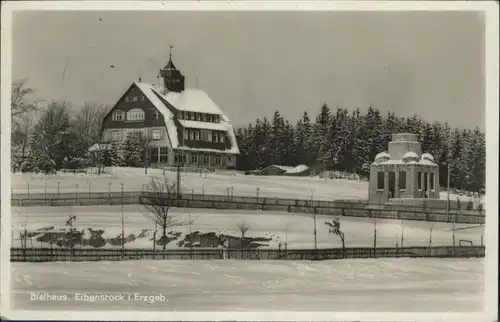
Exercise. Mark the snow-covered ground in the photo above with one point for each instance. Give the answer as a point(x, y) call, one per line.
point(218, 183)
point(295, 229)
point(358, 285)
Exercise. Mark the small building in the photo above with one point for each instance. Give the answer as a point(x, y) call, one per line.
point(181, 126)
point(404, 172)
point(281, 170)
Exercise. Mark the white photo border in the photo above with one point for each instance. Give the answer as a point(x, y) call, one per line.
point(490, 9)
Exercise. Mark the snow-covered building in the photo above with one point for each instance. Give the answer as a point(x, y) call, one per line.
point(404, 172)
point(183, 126)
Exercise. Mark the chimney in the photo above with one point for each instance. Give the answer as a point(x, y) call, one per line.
point(140, 80)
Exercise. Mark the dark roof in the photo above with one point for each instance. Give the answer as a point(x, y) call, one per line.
point(170, 65)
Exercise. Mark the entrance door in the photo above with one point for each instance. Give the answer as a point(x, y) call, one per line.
point(392, 183)
point(425, 185)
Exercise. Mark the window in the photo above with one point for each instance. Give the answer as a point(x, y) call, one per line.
point(134, 134)
point(204, 118)
point(118, 116)
point(217, 118)
point(153, 152)
point(425, 181)
point(135, 114)
point(221, 138)
point(419, 178)
point(163, 155)
point(380, 180)
point(196, 135)
point(142, 98)
point(155, 115)
point(115, 135)
point(156, 134)
point(215, 137)
point(191, 135)
point(432, 180)
point(191, 116)
point(206, 136)
point(198, 116)
point(402, 180)
point(194, 158)
point(205, 159)
point(217, 159)
point(180, 158)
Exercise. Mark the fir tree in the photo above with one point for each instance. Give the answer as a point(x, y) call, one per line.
point(321, 137)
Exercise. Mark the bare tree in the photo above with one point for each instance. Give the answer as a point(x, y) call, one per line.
point(158, 199)
point(88, 121)
point(334, 228)
point(19, 101)
point(21, 138)
point(243, 227)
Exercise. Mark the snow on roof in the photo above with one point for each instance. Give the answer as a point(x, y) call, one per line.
point(230, 151)
point(289, 169)
point(418, 162)
point(427, 156)
point(298, 169)
point(193, 100)
point(410, 155)
point(151, 93)
point(281, 167)
point(189, 100)
point(203, 125)
point(382, 155)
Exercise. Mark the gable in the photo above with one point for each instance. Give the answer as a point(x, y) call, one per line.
point(134, 99)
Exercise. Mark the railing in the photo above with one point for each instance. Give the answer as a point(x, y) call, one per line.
point(57, 254)
point(337, 208)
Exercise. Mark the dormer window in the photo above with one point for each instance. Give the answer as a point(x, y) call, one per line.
point(135, 114)
point(156, 134)
point(118, 115)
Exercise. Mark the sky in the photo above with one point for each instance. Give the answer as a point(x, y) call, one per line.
point(253, 63)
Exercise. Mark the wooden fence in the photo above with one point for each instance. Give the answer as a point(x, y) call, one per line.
point(350, 208)
point(47, 254)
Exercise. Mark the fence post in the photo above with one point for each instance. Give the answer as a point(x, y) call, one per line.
point(90, 184)
point(58, 183)
point(76, 194)
point(109, 193)
point(28, 190)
